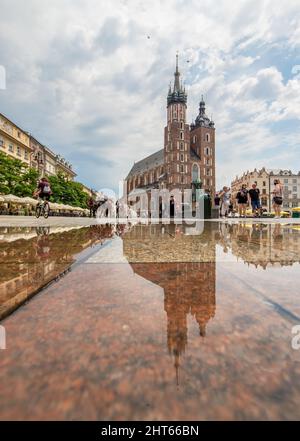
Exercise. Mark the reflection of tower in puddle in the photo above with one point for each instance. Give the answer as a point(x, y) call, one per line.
point(187, 274)
point(191, 292)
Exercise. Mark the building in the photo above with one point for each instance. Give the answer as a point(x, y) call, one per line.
point(291, 186)
point(14, 141)
point(19, 144)
point(49, 163)
point(188, 156)
point(64, 167)
point(38, 156)
point(264, 178)
point(258, 177)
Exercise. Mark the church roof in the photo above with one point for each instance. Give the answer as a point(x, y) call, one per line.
point(148, 163)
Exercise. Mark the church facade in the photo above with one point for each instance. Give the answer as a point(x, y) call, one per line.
point(188, 157)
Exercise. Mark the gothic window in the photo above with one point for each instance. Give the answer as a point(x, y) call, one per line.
point(181, 146)
point(181, 158)
point(195, 172)
point(181, 124)
point(207, 137)
point(181, 168)
point(207, 151)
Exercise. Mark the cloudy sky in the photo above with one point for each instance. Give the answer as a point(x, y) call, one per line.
point(85, 79)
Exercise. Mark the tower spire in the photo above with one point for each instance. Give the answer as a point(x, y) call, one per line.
point(178, 94)
point(177, 75)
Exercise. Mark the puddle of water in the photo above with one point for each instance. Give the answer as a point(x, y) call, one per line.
point(162, 322)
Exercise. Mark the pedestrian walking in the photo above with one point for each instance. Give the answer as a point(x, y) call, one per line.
point(225, 197)
point(277, 198)
point(254, 199)
point(242, 200)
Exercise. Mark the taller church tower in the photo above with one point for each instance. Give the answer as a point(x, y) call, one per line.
point(177, 137)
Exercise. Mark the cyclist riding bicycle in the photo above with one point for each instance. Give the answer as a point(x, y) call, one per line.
point(43, 190)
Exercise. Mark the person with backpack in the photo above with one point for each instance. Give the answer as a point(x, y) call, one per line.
point(43, 190)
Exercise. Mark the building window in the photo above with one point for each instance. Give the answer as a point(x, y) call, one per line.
point(295, 196)
point(294, 181)
point(182, 179)
point(195, 173)
point(181, 168)
point(194, 139)
point(286, 181)
point(208, 172)
point(1, 143)
point(181, 125)
point(264, 191)
point(181, 158)
point(19, 134)
point(264, 183)
point(26, 154)
point(181, 135)
point(207, 151)
point(181, 146)
point(11, 148)
point(295, 188)
point(207, 138)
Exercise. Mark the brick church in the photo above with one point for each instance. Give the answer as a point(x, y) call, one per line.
point(188, 156)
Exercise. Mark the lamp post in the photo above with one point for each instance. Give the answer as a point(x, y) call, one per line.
point(37, 157)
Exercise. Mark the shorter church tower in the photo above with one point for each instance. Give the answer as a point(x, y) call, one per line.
point(202, 138)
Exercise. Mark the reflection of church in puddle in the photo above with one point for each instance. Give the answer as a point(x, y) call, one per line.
point(189, 287)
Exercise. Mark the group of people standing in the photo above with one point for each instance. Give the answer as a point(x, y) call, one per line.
point(248, 197)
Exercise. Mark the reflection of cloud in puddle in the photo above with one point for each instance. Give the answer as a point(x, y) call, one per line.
point(111, 253)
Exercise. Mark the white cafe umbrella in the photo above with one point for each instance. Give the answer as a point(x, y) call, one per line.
point(12, 198)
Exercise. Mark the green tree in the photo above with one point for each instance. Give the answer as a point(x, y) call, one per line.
point(16, 177)
point(19, 179)
point(67, 192)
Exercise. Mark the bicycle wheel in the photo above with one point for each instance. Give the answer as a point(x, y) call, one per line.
point(38, 210)
point(46, 210)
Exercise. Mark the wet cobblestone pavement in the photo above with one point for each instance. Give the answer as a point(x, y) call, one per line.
point(150, 322)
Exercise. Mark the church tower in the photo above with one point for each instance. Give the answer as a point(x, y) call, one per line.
point(177, 137)
point(202, 141)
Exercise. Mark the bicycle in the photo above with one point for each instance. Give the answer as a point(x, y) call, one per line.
point(42, 209)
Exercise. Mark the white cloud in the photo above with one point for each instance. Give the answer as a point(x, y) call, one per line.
point(85, 78)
